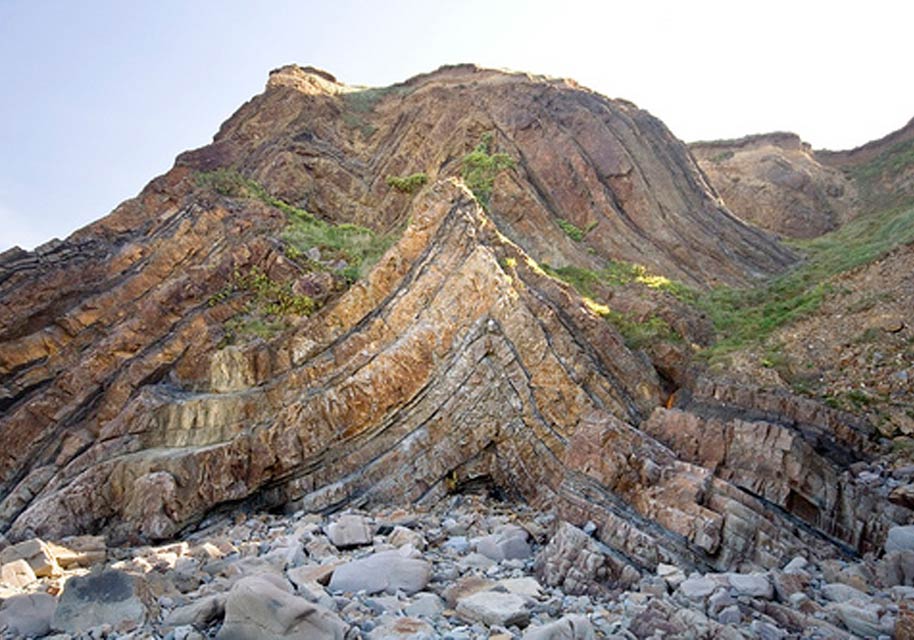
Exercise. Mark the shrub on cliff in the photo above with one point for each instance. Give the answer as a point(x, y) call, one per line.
point(481, 167)
point(407, 184)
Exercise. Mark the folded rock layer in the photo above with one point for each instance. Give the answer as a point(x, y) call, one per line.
point(455, 359)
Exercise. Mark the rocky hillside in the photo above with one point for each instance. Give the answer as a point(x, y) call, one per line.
point(359, 299)
point(776, 182)
point(883, 169)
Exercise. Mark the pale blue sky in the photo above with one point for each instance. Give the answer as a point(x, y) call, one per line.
point(97, 97)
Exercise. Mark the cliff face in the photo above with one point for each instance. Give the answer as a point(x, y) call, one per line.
point(605, 166)
point(775, 181)
point(126, 410)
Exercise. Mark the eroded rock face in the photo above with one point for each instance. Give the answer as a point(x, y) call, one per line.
point(457, 356)
point(109, 597)
point(603, 165)
point(775, 181)
point(456, 359)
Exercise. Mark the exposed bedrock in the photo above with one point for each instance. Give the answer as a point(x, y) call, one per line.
point(456, 358)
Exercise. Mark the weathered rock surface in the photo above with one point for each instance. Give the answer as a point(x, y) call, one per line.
point(27, 615)
point(509, 543)
point(403, 629)
point(571, 627)
point(387, 571)
point(349, 531)
point(494, 608)
point(257, 607)
point(109, 597)
point(776, 182)
point(603, 165)
point(17, 574)
point(36, 553)
point(456, 362)
point(455, 358)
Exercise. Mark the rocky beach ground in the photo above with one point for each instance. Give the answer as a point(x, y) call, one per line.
point(473, 567)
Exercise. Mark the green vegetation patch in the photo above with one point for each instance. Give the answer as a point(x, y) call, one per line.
point(873, 177)
point(618, 273)
point(407, 184)
point(892, 161)
point(638, 333)
point(359, 247)
point(269, 305)
point(230, 183)
point(575, 233)
point(480, 167)
point(749, 316)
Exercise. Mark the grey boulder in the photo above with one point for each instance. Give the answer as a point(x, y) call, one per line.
point(27, 615)
point(259, 607)
point(105, 598)
point(387, 571)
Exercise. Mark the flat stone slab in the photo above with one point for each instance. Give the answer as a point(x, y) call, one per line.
point(494, 608)
point(387, 571)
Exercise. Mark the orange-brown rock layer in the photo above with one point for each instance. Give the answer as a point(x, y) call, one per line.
point(455, 358)
point(775, 181)
point(605, 166)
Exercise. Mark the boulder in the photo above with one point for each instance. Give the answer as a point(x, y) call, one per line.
point(386, 571)
point(838, 592)
point(571, 627)
point(200, 613)
point(27, 615)
point(508, 543)
point(349, 531)
point(900, 539)
point(697, 587)
point(37, 553)
point(401, 536)
point(754, 585)
point(494, 608)
point(730, 615)
point(257, 607)
point(862, 620)
point(895, 568)
point(787, 584)
point(526, 587)
point(465, 586)
point(673, 575)
point(104, 598)
point(79, 551)
point(425, 605)
point(797, 565)
point(17, 574)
